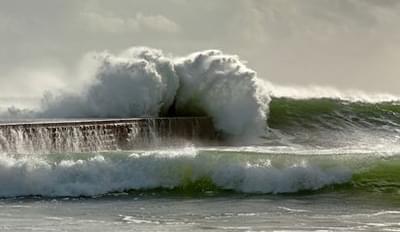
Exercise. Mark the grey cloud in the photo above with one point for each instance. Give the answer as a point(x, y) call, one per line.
point(343, 43)
point(139, 23)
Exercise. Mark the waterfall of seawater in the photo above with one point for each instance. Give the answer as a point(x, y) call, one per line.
point(95, 135)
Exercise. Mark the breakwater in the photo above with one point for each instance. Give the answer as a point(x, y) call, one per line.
point(102, 135)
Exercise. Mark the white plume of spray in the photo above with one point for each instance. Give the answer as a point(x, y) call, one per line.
point(138, 82)
point(225, 89)
point(143, 82)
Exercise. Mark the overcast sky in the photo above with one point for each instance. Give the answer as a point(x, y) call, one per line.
point(340, 43)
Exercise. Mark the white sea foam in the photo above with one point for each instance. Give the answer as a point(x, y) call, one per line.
point(100, 174)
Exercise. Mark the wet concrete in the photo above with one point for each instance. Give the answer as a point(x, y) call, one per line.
point(98, 135)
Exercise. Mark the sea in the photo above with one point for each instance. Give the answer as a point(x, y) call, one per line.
point(292, 161)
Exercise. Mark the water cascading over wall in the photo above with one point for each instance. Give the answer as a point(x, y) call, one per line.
point(103, 135)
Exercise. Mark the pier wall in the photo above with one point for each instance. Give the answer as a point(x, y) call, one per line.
point(102, 135)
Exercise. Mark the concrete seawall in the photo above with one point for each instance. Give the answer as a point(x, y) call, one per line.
point(102, 135)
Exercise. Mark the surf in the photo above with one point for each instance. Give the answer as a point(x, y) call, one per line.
point(275, 140)
point(195, 171)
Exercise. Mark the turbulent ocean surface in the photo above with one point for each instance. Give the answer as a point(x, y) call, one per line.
point(294, 159)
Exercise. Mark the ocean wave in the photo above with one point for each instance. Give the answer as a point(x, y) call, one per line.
point(334, 122)
point(197, 171)
point(96, 174)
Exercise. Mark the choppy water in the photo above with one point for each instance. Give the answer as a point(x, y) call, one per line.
point(223, 212)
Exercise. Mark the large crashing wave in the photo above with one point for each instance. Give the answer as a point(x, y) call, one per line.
point(143, 82)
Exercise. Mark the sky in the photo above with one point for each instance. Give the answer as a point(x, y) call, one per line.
point(346, 44)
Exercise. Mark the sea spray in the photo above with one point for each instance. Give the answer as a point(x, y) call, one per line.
point(143, 82)
point(136, 83)
point(223, 87)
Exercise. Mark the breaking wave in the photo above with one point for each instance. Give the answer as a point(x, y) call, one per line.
point(191, 170)
point(143, 82)
point(100, 174)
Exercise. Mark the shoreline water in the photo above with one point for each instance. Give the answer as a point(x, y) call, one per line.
point(238, 212)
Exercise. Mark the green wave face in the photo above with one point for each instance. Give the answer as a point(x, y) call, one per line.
point(331, 113)
point(332, 122)
point(383, 176)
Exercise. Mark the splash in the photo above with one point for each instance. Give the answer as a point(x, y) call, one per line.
point(138, 82)
point(223, 87)
point(143, 82)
